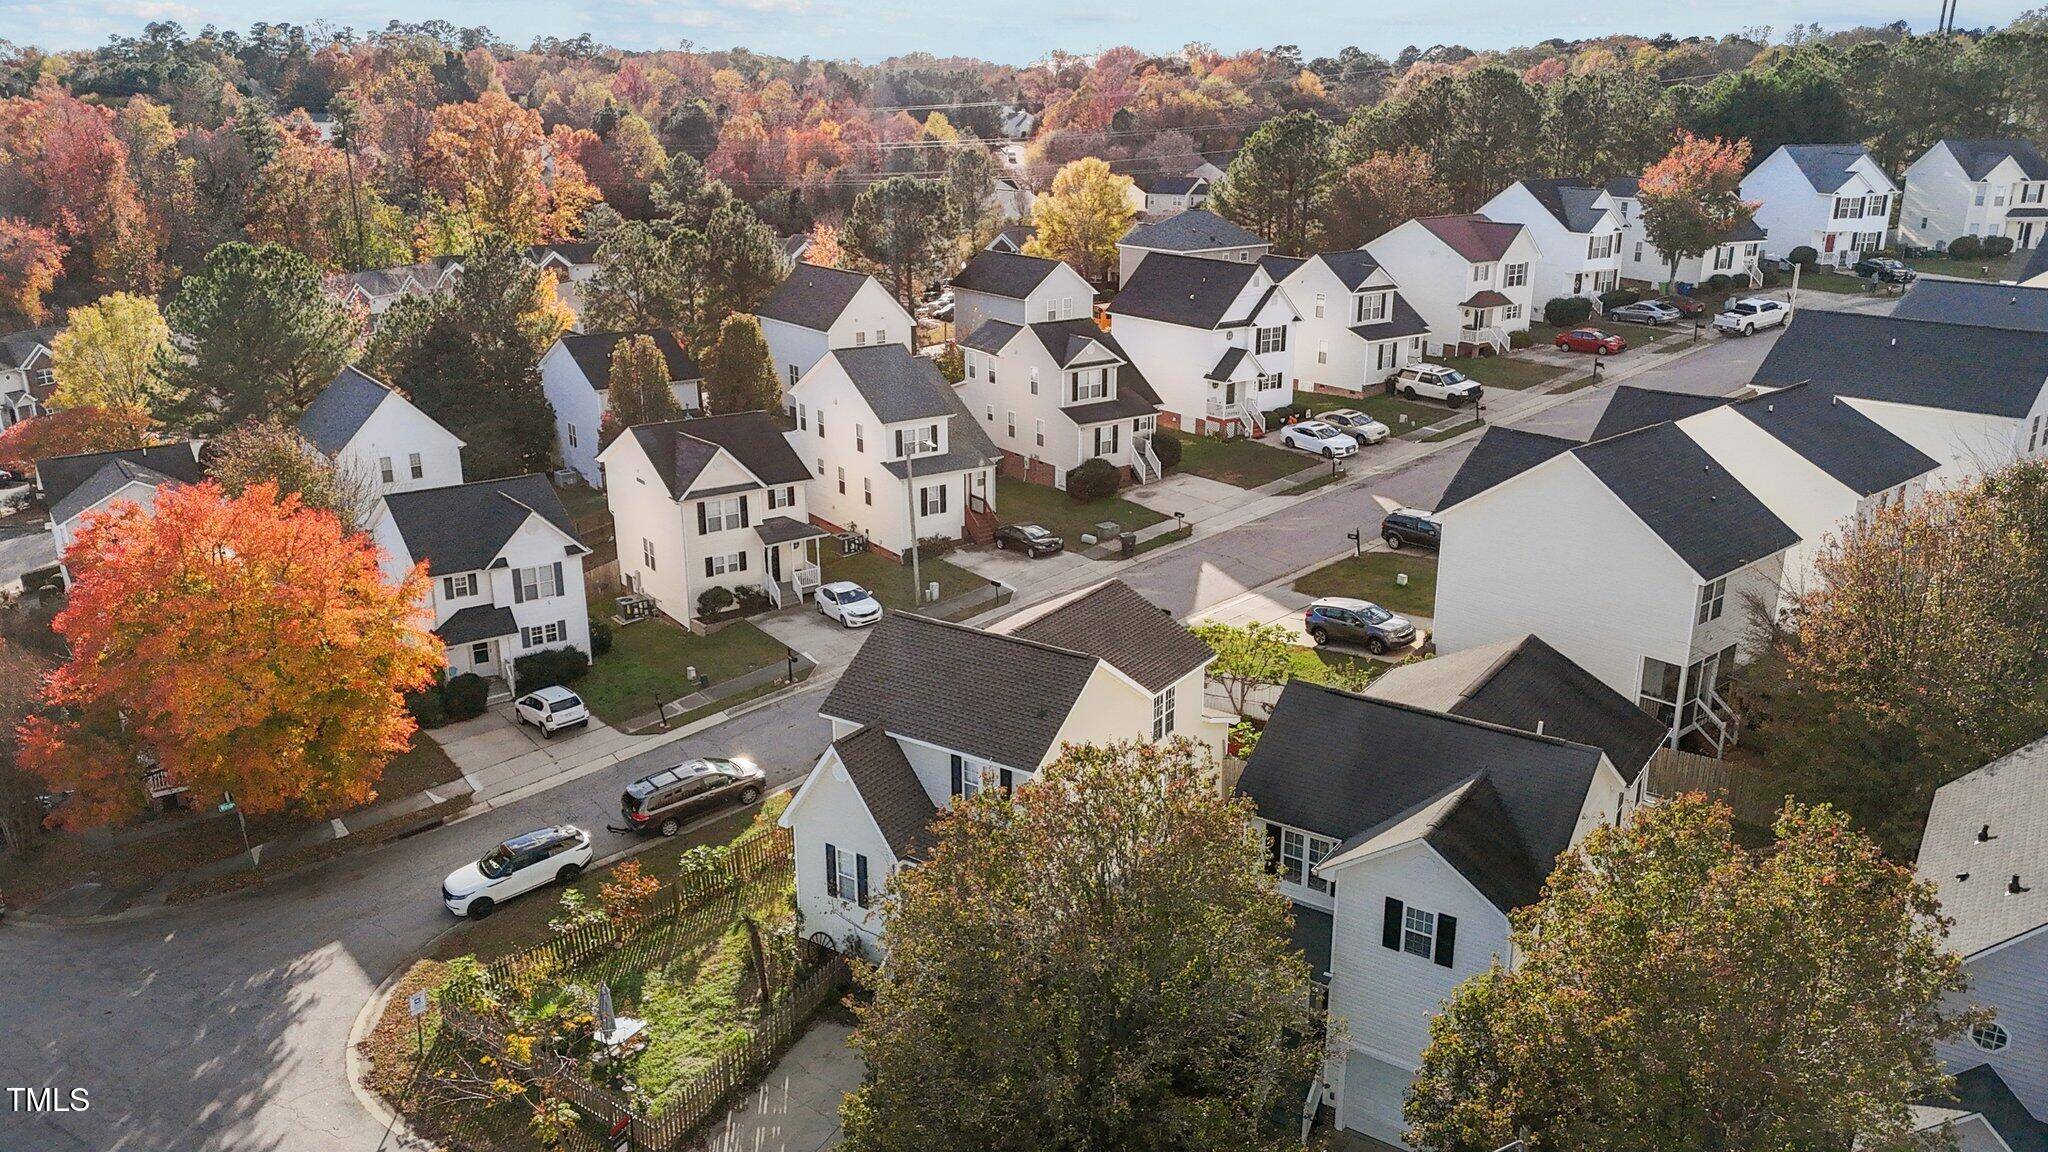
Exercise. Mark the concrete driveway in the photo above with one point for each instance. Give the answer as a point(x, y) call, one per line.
point(497, 754)
point(826, 641)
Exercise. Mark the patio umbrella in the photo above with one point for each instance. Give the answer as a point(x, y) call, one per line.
point(606, 1021)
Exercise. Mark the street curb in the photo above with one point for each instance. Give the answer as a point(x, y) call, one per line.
point(357, 1067)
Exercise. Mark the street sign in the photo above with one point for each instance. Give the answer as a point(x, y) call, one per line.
point(416, 1004)
point(225, 806)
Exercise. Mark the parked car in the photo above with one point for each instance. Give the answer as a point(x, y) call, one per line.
point(1034, 540)
point(551, 710)
point(1436, 382)
point(1653, 312)
point(849, 603)
point(1590, 340)
point(661, 802)
point(521, 864)
point(1752, 314)
point(1357, 622)
point(1690, 307)
point(1884, 270)
point(1410, 526)
point(1362, 428)
point(1324, 440)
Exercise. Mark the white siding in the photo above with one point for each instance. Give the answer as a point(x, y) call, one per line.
point(1436, 280)
point(1967, 444)
point(1792, 213)
point(1176, 359)
point(831, 811)
point(1938, 204)
point(1564, 252)
point(1808, 500)
point(2008, 981)
point(579, 412)
point(394, 432)
point(1326, 352)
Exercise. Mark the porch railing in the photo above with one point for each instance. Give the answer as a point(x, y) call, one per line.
point(1146, 460)
point(1490, 335)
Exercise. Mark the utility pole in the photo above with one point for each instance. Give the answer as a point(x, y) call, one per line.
point(910, 493)
point(1792, 302)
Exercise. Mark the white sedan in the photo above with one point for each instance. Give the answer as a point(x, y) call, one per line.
point(1319, 438)
point(519, 865)
point(849, 603)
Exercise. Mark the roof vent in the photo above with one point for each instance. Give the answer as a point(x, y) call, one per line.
point(2014, 886)
point(1895, 341)
point(1984, 834)
point(1961, 876)
point(1770, 407)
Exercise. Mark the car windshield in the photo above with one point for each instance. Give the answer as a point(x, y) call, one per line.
point(1374, 614)
point(1035, 532)
point(497, 863)
point(853, 594)
point(1450, 376)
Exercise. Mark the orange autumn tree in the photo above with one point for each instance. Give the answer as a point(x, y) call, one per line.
point(243, 642)
point(70, 431)
point(511, 175)
point(1693, 197)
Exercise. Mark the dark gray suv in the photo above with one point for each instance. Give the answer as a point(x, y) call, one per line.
point(1410, 526)
point(1351, 621)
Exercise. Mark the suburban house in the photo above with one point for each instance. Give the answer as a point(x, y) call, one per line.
point(1012, 201)
point(1157, 194)
point(576, 376)
point(1197, 232)
point(1405, 838)
point(1056, 393)
point(377, 289)
point(1736, 254)
point(369, 430)
point(26, 376)
point(1212, 337)
point(899, 458)
point(1985, 851)
point(1578, 234)
point(1471, 278)
point(1972, 397)
point(1832, 198)
point(505, 570)
point(1977, 303)
point(71, 486)
point(1982, 1114)
point(815, 310)
point(1013, 238)
point(718, 501)
point(2034, 273)
point(1976, 188)
point(793, 249)
point(1356, 328)
point(574, 264)
point(1018, 290)
point(915, 724)
point(1639, 556)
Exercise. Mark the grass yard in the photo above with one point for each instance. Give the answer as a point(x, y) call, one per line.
point(1399, 415)
point(648, 660)
point(1998, 268)
point(1511, 372)
point(1018, 502)
point(1240, 463)
point(1839, 283)
point(891, 582)
point(1371, 577)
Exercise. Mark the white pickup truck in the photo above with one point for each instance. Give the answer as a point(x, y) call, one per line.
point(1751, 314)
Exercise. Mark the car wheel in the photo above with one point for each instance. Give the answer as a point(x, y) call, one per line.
point(1601, 350)
point(480, 907)
point(1375, 645)
point(1002, 545)
point(1328, 453)
point(1319, 636)
point(1563, 347)
point(1393, 541)
point(568, 874)
point(671, 826)
point(749, 794)
point(1408, 392)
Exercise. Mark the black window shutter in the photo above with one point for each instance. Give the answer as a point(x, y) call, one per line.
point(703, 525)
point(860, 880)
point(707, 567)
point(1446, 939)
point(558, 578)
point(1390, 930)
point(743, 561)
point(956, 775)
point(1273, 848)
point(745, 519)
point(831, 871)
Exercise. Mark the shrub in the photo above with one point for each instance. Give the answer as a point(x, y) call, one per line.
point(1995, 246)
point(751, 599)
point(600, 636)
point(1719, 282)
point(714, 600)
point(1522, 339)
point(549, 667)
point(465, 696)
point(1286, 413)
point(426, 707)
point(1093, 480)
point(1167, 448)
point(1567, 311)
point(1804, 255)
point(1965, 248)
point(1618, 297)
point(933, 547)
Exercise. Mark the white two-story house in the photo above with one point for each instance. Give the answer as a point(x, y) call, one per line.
point(505, 570)
point(72, 486)
point(1157, 194)
point(27, 377)
point(1470, 278)
point(1406, 838)
point(576, 375)
point(369, 430)
point(815, 310)
point(1736, 254)
point(1578, 233)
point(375, 290)
point(1832, 198)
point(1017, 290)
point(1214, 338)
point(1976, 188)
point(929, 711)
point(1056, 393)
point(1197, 232)
point(718, 501)
point(1356, 328)
point(574, 264)
point(898, 457)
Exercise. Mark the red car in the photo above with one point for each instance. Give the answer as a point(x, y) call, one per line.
point(1590, 340)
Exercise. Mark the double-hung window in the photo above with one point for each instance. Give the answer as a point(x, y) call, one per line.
point(1482, 273)
point(1299, 853)
point(1162, 714)
point(932, 501)
point(1515, 276)
point(724, 513)
point(386, 471)
point(1418, 932)
point(846, 875)
point(416, 466)
point(1272, 339)
point(541, 635)
point(1713, 597)
point(647, 554)
point(457, 587)
point(1370, 308)
point(720, 565)
point(1090, 384)
point(970, 776)
point(917, 441)
point(537, 583)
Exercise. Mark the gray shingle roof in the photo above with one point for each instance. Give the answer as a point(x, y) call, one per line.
point(593, 355)
point(1066, 341)
point(60, 478)
point(2037, 264)
point(1196, 230)
point(1625, 187)
point(999, 698)
point(16, 348)
point(111, 478)
point(896, 384)
point(463, 527)
point(1404, 320)
point(1826, 166)
point(1226, 364)
point(1185, 290)
point(888, 785)
point(1349, 767)
point(1501, 454)
point(1631, 408)
point(681, 449)
point(1354, 266)
point(1569, 201)
point(1280, 267)
point(783, 529)
point(968, 445)
point(1472, 236)
point(1972, 875)
point(1979, 157)
point(1997, 372)
point(1976, 303)
point(1837, 439)
point(478, 622)
point(1005, 274)
point(1688, 499)
point(1141, 639)
point(391, 281)
point(992, 337)
point(1981, 1090)
point(341, 409)
point(1161, 184)
point(811, 296)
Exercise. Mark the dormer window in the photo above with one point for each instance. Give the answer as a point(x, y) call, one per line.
point(917, 441)
point(1089, 384)
point(1369, 308)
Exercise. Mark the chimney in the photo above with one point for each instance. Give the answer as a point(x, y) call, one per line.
point(1984, 834)
point(2014, 886)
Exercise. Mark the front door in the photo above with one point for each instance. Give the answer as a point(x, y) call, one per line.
point(2026, 237)
point(1828, 245)
point(775, 563)
point(1229, 393)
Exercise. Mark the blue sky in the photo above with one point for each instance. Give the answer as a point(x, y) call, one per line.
point(1008, 32)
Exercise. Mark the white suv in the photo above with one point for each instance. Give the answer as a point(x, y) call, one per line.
point(1747, 315)
point(519, 865)
point(551, 710)
point(1436, 382)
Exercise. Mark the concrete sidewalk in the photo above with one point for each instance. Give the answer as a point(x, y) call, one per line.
point(795, 1108)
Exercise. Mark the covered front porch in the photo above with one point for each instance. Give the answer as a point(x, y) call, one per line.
point(790, 570)
point(2027, 226)
point(482, 640)
point(1231, 404)
point(1480, 324)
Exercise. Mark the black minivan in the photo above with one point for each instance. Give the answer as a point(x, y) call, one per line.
point(663, 801)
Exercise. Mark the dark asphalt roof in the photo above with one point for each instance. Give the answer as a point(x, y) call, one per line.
point(1569, 201)
point(1979, 157)
point(1226, 364)
point(1743, 233)
point(1354, 266)
point(463, 527)
point(1067, 340)
point(1688, 499)
point(1836, 438)
point(111, 477)
point(1017, 234)
point(1350, 767)
point(1402, 320)
point(1625, 187)
point(1196, 230)
point(477, 622)
point(572, 251)
point(783, 529)
point(1976, 303)
point(1501, 454)
point(1994, 371)
point(60, 476)
point(811, 296)
point(1826, 166)
point(1982, 1090)
point(1005, 274)
point(593, 356)
point(992, 337)
point(1631, 408)
point(1185, 290)
point(17, 348)
point(1280, 267)
point(1141, 639)
point(2037, 264)
point(681, 449)
point(888, 785)
point(968, 445)
point(998, 698)
point(341, 409)
point(1159, 184)
point(896, 384)
point(1472, 236)
point(1486, 298)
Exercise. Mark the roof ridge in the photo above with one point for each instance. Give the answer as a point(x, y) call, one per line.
point(953, 625)
point(1451, 716)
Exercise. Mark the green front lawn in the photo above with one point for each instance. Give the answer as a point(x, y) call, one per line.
point(1371, 577)
point(1510, 372)
point(891, 582)
point(649, 659)
point(1839, 283)
point(1399, 415)
point(1019, 502)
point(1240, 463)
point(1997, 268)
